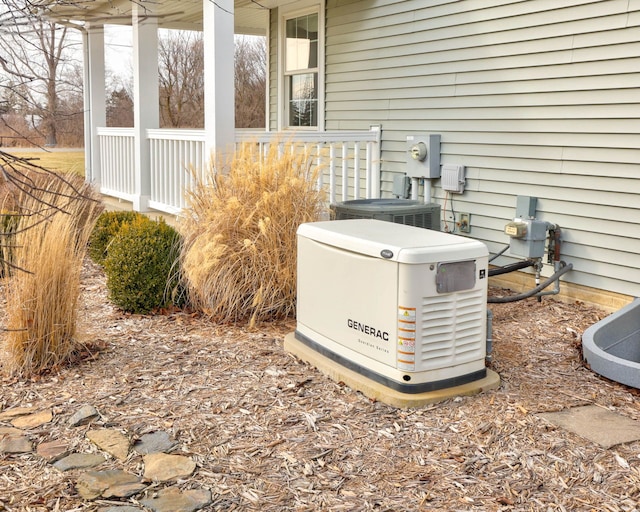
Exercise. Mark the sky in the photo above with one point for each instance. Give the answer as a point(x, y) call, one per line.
point(118, 51)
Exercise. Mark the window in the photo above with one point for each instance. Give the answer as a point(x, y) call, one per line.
point(301, 56)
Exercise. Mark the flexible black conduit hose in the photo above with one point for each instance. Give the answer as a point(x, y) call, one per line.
point(512, 298)
point(512, 267)
point(504, 249)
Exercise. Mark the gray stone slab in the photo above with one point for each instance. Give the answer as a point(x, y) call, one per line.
point(15, 444)
point(78, 461)
point(154, 442)
point(596, 424)
point(86, 414)
point(125, 508)
point(173, 499)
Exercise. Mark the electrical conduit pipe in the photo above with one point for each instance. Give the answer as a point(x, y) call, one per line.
point(564, 268)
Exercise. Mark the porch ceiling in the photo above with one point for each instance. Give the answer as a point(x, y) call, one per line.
point(251, 17)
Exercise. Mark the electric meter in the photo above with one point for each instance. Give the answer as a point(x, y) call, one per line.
point(516, 229)
point(423, 156)
point(419, 151)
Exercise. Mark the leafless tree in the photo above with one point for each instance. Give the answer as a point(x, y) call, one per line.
point(34, 53)
point(182, 81)
point(181, 57)
point(37, 54)
point(250, 82)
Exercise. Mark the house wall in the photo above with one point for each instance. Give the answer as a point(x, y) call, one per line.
point(538, 98)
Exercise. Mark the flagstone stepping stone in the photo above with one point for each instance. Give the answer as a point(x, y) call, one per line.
point(173, 499)
point(154, 442)
point(112, 441)
point(160, 467)
point(15, 444)
point(11, 431)
point(36, 419)
point(85, 414)
point(79, 461)
point(108, 484)
point(52, 451)
point(125, 508)
point(15, 412)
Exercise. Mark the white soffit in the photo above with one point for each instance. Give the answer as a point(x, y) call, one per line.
point(251, 17)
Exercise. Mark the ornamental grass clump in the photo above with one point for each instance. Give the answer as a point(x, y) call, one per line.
point(54, 222)
point(239, 252)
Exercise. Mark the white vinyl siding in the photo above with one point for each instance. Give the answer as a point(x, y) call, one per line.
point(538, 98)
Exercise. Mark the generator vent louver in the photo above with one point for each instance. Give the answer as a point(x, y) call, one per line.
point(452, 324)
point(400, 211)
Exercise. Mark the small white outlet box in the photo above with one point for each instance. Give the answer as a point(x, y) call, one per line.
point(453, 178)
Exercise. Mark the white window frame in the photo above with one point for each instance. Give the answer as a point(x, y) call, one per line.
point(287, 13)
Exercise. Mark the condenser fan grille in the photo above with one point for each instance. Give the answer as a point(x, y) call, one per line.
point(400, 211)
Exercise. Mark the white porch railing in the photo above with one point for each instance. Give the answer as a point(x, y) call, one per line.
point(175, 154)
point(117, 162)
point(350, 162)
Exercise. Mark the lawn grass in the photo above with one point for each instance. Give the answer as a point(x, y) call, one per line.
point(64, 161)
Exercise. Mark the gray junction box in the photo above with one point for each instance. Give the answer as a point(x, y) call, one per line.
point(531, 244)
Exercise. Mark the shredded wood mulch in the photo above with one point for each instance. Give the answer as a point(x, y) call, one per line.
point(271, 433)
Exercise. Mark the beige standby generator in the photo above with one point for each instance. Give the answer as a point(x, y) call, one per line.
point(401, 306)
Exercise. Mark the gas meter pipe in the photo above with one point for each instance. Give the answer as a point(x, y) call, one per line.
point(554, 244)
point(566, 267)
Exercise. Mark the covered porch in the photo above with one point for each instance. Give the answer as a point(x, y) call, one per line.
point(152, 167)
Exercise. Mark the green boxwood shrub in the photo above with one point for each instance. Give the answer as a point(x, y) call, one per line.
point(141, 266)
point(106, 228)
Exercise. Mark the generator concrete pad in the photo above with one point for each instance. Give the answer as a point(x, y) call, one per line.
point(375, 390)
point(596, 424)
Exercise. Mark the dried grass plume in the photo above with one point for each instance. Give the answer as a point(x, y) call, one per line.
point(239, 254)
point(55, 218)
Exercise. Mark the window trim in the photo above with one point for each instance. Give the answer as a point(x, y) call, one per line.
point(285, 14)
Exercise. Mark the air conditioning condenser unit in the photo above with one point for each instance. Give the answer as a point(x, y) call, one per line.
point(400, 211)
point(395, 311)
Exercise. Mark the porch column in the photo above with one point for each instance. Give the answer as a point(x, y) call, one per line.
point(219, 108)
point(146, 108)
point(94, 100)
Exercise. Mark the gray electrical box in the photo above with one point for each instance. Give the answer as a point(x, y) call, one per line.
point(423, 156)
point(526, 207)
point(401, 186)
point(528, 237)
